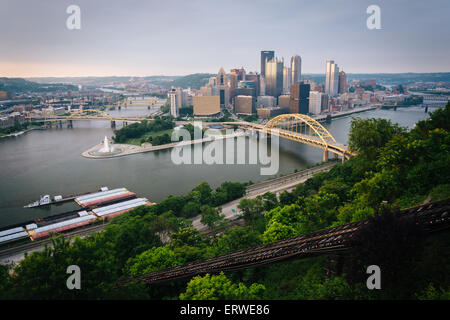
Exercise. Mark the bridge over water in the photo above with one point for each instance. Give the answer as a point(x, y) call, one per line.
point(296, 127)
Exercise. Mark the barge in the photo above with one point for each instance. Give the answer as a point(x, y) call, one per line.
point(95, 206)
point(47, 200)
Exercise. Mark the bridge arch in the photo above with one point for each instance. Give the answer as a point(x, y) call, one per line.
point(294, 119)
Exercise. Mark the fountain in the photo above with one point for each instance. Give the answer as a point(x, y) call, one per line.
point(106, 147)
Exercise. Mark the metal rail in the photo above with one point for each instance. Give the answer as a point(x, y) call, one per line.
point(433, 217)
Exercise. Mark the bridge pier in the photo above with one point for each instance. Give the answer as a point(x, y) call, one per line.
point(325, 155)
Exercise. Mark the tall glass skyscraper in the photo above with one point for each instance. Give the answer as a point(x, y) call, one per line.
point(265, 55)
point(274, 77)
point(296, 69)
point(286, 80)
point(331, 78)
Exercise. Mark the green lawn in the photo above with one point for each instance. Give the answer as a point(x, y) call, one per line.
point(137, 141)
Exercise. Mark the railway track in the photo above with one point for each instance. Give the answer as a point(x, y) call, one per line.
point(433, 217)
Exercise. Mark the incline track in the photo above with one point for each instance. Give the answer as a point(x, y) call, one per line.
point(433, 217)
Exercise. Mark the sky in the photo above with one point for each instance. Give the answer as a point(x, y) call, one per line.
point(179, 37)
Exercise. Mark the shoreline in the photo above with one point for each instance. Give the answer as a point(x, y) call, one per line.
point(129, 149)
point(21, 132)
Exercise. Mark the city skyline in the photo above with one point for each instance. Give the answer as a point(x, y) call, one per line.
point(137, 38)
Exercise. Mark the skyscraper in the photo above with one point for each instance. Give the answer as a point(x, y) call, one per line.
point(173, 102)
point(222, 88)
point(265, 56)
point(331, 78)
point(274, 77)
point(286, 80)
point(296, 69)
point(236, 75)
point(342, 82)
point(252, 76)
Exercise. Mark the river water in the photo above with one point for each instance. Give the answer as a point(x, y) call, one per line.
point(50, 162)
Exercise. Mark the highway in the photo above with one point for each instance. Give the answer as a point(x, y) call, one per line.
point(276, 185)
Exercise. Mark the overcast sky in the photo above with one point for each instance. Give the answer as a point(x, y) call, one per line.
point(177, 37)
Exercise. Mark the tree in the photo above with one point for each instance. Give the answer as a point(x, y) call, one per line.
point(220, 288)
point(368, 136)
point(270, 200)
point(186, 236)
point(278, 231)
point(237, 238)
point(157, 258)
point(190, 209)
point(205, 192)
point(252, 209)
point(211, 216)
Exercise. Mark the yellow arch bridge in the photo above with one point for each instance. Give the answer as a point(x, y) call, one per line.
point(304, 129)
point(295, 127)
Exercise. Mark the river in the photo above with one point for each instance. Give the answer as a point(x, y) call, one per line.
point(50, 162)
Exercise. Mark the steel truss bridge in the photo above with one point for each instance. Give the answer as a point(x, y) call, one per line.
point(432, 217)
point(303, 129)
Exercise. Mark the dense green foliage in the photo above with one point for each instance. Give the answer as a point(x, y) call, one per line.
point(137, 130)
point(220, 288)
point(395, 168)
point(186, 111)
point(17, 127)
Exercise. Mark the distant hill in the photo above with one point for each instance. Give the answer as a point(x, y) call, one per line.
point(19, 85)
point(195, 81)
point(402, 78)
point(388, 78)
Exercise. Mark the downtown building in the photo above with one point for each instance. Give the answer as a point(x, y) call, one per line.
point(318, 102)
point(173, 102)
point(244, 105)
point(274, 77)
point(296, 69)
point(287, 75)
point(299, 98)
point(331, 78)
point(223, 90)
point(236, 75)
point(342, 86)
point(205, 106)
point(266, 55)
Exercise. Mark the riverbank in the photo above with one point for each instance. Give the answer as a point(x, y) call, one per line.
point(18, 133)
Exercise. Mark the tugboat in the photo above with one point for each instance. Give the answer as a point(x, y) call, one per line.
point(42, 201)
